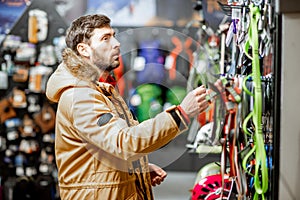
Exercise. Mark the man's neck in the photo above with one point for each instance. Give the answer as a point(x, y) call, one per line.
point(104, 74)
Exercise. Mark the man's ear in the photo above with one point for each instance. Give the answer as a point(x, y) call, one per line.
point(83, 49)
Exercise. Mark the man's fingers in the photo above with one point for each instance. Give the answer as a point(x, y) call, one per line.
point(201, 97)
point(199, 90)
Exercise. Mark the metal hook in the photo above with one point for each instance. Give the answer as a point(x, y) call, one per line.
point(257, 2)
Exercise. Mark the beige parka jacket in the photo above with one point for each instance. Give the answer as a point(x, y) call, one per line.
point(101, 151)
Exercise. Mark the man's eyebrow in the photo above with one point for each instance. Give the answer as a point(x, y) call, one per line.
point(108, 34)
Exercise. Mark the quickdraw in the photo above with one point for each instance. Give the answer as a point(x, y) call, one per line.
point(242, 118)
point(232, 100)
point(226, 130)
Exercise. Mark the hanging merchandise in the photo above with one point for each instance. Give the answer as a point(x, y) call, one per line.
point(149, 63)
point(28, 146)
point(6, 110)
point(243, 114)
point(26, 52)
point(33, 103)
point(18, 98)
point(59, 45)
point(30, 51)
point(8, 66)
point(3, 80)
point(45, 119)
point(12, 132)
point(28, 127)
point(206, 59)
point(261, 171)
point(37, 26)
point(47, 55)
point(206, 70)
point(38, 78)
point(2, 144)
point(11, 43)
point(180, 60)
point(146, 101)
point(213, 187)
point(21, 74)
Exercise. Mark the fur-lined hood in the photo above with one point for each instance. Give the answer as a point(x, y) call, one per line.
point(72, 72)
point(80, 68)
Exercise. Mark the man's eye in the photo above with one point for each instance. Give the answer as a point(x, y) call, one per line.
point(105, 38)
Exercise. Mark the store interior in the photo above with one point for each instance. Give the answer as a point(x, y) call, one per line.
point(168, 48)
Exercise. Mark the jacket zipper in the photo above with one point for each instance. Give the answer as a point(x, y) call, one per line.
point(139, 176)
point(123, 109)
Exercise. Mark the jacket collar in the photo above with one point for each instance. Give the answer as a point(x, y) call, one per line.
point(86, 71)
point(80, 68)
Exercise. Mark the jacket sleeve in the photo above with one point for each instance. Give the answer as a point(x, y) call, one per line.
point(113, 134)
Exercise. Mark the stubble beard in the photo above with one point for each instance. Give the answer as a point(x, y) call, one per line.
point(114, 65)
point(108, 67)
point(105, 66)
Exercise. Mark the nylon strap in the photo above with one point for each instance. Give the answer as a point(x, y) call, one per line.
point(261, 171)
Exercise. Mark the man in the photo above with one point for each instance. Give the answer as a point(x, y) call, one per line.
point(101, 151)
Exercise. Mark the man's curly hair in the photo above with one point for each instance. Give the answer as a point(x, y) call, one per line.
point(81, 29)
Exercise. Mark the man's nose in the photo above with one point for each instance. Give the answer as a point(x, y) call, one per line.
point(116, 43)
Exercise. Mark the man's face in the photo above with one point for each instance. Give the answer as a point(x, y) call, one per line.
point(104, 49)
